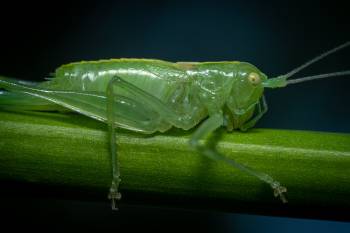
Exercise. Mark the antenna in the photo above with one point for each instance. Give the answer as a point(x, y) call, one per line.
point(319, 76)
point(323, 55)
point(281, 81)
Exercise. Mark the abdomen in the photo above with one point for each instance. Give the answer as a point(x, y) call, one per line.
point(158, 78)
point(164, 80)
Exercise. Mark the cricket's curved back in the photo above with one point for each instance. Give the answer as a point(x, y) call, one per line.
point(159, 78)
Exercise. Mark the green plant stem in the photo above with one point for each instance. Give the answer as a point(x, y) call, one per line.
point(69, 150)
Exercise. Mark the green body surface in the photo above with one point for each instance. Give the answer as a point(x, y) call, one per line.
point(192, 90)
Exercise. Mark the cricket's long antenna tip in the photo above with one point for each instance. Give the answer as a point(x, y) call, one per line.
point(319, 76)
point(282, 80)
point(323, 55)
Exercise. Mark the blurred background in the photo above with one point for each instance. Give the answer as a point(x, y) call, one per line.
point(276, 36)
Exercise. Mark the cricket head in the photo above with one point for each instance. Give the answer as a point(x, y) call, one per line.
point(246, 91)
point(249, 84)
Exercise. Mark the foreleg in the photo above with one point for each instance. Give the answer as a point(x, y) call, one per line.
point(262, 109)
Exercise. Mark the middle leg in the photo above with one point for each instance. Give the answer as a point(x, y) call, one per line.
point(210, 125)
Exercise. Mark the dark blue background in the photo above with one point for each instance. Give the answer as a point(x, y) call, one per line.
point(276, 36)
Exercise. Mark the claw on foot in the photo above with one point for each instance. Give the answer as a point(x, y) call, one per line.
point(278, 191)
point(114, 195)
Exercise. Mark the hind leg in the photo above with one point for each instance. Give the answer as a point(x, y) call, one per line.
point(131, 114)
point(130, 107)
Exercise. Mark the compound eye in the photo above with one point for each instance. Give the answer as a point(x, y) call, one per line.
point(254, 78)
